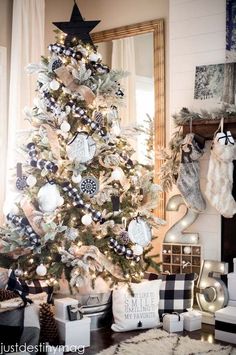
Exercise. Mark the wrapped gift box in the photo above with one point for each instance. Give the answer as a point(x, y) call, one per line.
point(192, 320)
point(225, 324)
point(76, 333)
point(61, 304)
point(173, 322)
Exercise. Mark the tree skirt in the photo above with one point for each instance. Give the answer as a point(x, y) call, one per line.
point(157, 341)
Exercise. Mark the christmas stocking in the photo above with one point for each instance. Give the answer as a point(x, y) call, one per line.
point(220, 175)
point(188, 177)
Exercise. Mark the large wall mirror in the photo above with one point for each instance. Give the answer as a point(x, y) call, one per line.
point(139, 50)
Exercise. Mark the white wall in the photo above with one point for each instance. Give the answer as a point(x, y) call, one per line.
point(197, 37)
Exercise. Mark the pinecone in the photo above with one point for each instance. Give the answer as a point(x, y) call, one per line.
point(48, 326)
point(7, 295)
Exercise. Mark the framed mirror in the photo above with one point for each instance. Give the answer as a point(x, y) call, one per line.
point(145, 41)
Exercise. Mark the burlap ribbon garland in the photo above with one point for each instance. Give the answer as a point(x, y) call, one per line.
point(53, 141)
point(93, 252)
point(70, 83)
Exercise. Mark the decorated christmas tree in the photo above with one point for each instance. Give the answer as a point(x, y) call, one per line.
point(84, 207)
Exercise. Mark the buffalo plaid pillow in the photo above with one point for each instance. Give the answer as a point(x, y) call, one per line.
point(176, 292)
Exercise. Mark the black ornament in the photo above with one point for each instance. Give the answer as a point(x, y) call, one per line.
point(77, 27)
point(115, 203)
point(89, 185)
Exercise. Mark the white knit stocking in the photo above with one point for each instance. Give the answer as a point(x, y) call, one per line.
point(220, 179)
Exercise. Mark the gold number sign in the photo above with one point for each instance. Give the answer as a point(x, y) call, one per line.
point(176, 233)
point(212, 294)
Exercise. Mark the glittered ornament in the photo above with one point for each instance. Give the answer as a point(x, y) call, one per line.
point(81, 148)
point(98, 116)
point(65, 126)
point(117, 174)
point(124, 237)
point(49, 198)
point(137, 249)
point(76, 178)
point(89, 185)
point(54, 85)
point(41, 270)
point(31, 180)
point(86, 219)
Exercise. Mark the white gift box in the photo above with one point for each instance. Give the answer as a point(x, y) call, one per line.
point(192, 320)
point(74, 333)
point(61, 311)
point(173, 322)
point(225, 324)
point(232, 283)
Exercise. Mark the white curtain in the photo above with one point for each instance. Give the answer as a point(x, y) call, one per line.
point(123, 58)
point(27, 46)
point(3, 120)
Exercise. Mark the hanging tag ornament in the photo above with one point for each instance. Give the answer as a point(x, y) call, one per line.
point(81, 148)
point(139, 232)
point(21, 181)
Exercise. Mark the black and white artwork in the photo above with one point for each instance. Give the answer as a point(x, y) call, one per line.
point(230, 30)
point(216, 82)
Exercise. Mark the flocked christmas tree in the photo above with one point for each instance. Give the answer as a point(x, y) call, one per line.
point(86, 207)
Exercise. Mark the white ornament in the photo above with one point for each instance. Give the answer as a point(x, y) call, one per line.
point(86, 219)
point(81, 148)
point(187, 250)
point(139, 232)
point(41, 270)
point(65, 126)
point(76, 178)
point(137, 249)
point(49, 198)
point(54, 85)
point(18, 272)
point(117, 174)
point(31, 180)
point(94, 57)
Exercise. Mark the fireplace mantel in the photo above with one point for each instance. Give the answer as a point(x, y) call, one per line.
point(207, 128)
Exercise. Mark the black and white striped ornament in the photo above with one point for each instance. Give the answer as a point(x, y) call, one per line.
point(89, 185)
point(73, 193)
point(40, 163)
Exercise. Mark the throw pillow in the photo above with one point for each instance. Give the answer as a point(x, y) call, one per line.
point(139, 311)
point(176, 293)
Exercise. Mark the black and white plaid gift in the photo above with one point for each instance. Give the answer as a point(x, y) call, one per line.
point(176, 292)
point(25, 288)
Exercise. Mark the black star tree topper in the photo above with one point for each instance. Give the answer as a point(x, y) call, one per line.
point(77, 27)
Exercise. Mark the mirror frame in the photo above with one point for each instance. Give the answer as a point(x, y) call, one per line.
point(157, 28)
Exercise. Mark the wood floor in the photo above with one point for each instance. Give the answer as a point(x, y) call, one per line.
point(103, 338)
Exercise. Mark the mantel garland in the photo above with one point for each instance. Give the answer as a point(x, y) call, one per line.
point(171, 155)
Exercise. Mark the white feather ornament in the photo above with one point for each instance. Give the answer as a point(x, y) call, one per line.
point(49, 198)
